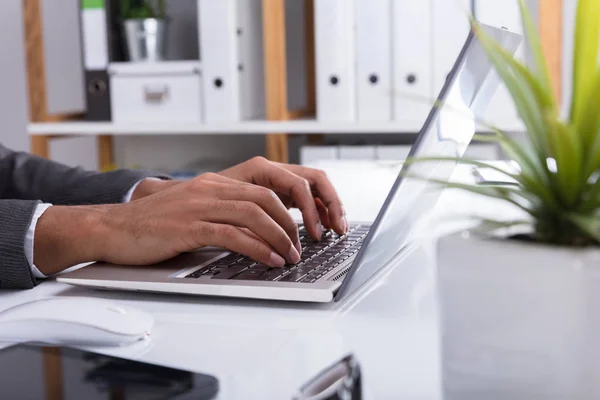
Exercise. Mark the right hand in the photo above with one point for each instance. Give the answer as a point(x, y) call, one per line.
point(210, 210)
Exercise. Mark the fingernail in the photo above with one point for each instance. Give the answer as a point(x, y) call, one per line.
point(319, 230)
point(294, 257)
point(298, 247)
point(344, 224)
point(276, 260)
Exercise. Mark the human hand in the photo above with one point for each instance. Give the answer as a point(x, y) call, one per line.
point(209, 210)
point(307, 189)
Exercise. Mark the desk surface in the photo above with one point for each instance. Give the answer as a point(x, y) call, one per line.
point(266, 350)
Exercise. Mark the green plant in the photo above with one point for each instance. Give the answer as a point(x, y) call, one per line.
point(558, 179)
point(141, 9)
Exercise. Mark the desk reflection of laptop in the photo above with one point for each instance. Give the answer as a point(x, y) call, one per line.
point(336, 265)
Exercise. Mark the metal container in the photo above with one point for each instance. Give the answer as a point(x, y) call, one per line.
point(145, 39)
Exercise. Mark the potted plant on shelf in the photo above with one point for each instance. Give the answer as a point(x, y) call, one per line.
point(520, 314)
point(145, 29)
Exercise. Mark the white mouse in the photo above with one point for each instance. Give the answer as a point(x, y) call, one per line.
point(74, 321)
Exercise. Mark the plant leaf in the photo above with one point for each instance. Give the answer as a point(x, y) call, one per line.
point(535, 46)
point(588, 127)
point(591, 226)
point(486, 191)
point(585, 57)
point(529, 101)
point(566, 150)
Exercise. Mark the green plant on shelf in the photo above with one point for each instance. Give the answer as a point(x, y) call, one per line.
point(143, 9)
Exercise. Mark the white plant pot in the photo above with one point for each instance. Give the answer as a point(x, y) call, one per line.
point(518, 320)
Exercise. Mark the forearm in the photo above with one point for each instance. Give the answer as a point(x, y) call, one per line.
point(67, 236)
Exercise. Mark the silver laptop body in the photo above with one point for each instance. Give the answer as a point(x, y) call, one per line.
point(447, 131)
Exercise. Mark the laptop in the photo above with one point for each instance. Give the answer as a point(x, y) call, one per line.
point(335, 266)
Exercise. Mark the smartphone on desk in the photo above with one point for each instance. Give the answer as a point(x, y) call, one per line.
point(32, 372)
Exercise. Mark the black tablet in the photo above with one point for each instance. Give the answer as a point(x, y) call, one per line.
point(30, 372)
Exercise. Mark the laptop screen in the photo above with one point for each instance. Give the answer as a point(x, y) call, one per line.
point(447, 132)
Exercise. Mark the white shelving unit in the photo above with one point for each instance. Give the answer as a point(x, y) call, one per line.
point(300, 126)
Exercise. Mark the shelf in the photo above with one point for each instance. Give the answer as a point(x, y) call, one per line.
point(301, 126)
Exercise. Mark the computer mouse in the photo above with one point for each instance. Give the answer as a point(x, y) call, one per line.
point(74, 321)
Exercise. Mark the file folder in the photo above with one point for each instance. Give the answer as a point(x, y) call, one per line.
point(335, 60)
point(450, 30)
point(373, 60)
point(501, 112)
point(231, 51)
point(219, 56)
point(412, 62)
point(96, 56)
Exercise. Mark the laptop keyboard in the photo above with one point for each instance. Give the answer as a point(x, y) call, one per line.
point(317, 260)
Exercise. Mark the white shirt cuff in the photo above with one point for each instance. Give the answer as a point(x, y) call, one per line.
point(29, 237)
point(127, 197)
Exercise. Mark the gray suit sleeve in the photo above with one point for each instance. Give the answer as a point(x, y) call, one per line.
point(27, 177)
point(25, 180)
point(15, 216)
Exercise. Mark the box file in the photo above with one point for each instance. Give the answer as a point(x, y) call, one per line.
point(413, 63)
point(232, 58)
point(374, 60)
point(335, 60)
point(95, 26)
point(450, 30)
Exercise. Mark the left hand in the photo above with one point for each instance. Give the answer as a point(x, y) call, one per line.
point(307, 189)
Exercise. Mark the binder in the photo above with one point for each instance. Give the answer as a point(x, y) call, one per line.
point(250, 68)
point(373, 60)
point(96, 56)
point(450, 30)
point(232, 56)
point(501, 111)
point(335, 61)
point(219, 56)
point(412, 60)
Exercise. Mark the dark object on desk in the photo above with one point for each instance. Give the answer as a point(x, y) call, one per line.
point(341, 381)
point(76, 374)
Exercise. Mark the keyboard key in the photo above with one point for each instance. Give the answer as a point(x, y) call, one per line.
point(199, 272)
point(308, 279)
point(260, 267)
point(230, 259)
point(230, 272)
point(246, 263)
point(273, 274)
point(250, 275)
point(293, 277)
point(305, 269)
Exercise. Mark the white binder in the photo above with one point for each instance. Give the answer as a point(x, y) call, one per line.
point(450, 30)
point(334, 53)
point(373, 60)
point(501, 111)
point(412, 64)
point(231, 54)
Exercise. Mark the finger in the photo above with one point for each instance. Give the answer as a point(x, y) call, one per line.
point(268, 201)
point(289, 184)
point(245, 214)
point(253, 235)
point(325, 191)
point(323, 213)
point(234, 239)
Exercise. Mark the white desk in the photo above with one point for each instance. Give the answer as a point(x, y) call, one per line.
point(266, 350)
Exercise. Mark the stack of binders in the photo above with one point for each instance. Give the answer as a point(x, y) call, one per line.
point(384, 60)
point(225, 85)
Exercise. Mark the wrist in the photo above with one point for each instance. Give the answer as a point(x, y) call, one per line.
point(148, 187)
point(67, 236)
